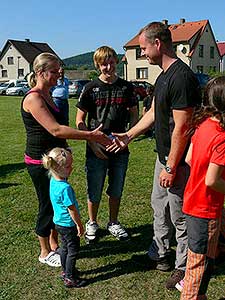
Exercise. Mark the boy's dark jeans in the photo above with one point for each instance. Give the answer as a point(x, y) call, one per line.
point(70, 249)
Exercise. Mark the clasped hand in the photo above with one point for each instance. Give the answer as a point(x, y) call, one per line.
point(119, 142)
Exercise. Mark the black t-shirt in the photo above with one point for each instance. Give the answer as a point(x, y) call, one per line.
point(107, 104)
point(177, 88)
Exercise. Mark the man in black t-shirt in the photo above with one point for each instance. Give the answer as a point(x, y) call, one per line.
point(107, 100)
point(175, 96)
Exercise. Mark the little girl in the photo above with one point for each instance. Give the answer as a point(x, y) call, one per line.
point(66, 213)
point(204, 193)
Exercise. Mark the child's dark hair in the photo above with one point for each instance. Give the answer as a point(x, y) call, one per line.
point(213, 104)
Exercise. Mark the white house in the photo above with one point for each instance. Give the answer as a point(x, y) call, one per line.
point(16, 58)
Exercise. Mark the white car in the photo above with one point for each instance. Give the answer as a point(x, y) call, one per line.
point(4, 86)
point(19, 90)
point(76, 86)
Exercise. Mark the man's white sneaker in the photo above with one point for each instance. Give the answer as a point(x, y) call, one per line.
point(91, 230)
point(117, 230)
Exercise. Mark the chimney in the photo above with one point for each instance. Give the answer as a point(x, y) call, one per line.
point(27, 40)
point(165, 22)
point(182, 21)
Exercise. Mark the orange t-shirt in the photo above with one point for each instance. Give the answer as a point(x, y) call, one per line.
point(208, 147)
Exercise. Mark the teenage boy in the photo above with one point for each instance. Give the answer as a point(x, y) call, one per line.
point(110, 101)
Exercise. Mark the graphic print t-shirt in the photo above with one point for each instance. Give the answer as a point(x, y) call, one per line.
point(107, 104)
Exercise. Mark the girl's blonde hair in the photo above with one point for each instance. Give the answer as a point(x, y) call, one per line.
point(42, 62)
point(102, 54)
point(56, 160)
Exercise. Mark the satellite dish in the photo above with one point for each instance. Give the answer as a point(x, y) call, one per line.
point(182, 48)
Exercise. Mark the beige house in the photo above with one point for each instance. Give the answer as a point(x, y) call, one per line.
point(16, 58)
point(194, 43)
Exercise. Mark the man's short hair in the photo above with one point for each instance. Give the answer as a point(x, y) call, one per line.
point(157, 30)
point(102, 54)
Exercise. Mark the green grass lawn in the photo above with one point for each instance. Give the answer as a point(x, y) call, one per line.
point(108, 264)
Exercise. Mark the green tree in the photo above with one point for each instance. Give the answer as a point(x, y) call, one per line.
point(93, 75)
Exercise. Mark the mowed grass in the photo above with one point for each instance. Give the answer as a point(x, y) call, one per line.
point(108, 264)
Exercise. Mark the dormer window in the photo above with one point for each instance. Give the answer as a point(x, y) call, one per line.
point(201, 50)
point(212, 52)
point(138, 53)
point(10, 60)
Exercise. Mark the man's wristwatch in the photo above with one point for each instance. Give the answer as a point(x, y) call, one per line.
point(168, 169)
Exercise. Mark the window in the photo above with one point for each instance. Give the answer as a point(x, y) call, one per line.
point(211, 52)
point(12, 84)
point(201, 50)
point(142, 73)
point(200, 69)
point(138, 52)
point(20, 72)
point(10, 61)
point(4, 73)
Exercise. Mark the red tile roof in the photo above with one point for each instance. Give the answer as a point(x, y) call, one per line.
point(221, 47)
point(180, 32)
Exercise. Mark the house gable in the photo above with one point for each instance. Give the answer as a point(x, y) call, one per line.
point(16, 58)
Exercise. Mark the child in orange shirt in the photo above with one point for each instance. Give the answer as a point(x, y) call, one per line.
point(205, 189)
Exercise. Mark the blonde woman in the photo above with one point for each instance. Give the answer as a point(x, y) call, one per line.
point(44, 129)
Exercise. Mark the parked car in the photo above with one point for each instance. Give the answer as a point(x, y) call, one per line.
point(4, 86)
point(76, 86)
point(11, 83)
point(202, 79)
point(19, 90)
point(140, 88)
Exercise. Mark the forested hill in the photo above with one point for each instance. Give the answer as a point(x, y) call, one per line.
point(85, 62)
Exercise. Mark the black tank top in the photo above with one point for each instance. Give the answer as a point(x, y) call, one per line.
point(39, 140)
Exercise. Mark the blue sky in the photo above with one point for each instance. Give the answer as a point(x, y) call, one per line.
point(77, 26)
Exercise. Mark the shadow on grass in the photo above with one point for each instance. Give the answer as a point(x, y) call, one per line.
point(11, 168)
point(6, 185)
point(122, 267)
point(140, 240)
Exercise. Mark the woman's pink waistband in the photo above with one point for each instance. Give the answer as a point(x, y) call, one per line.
point(30, 161)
